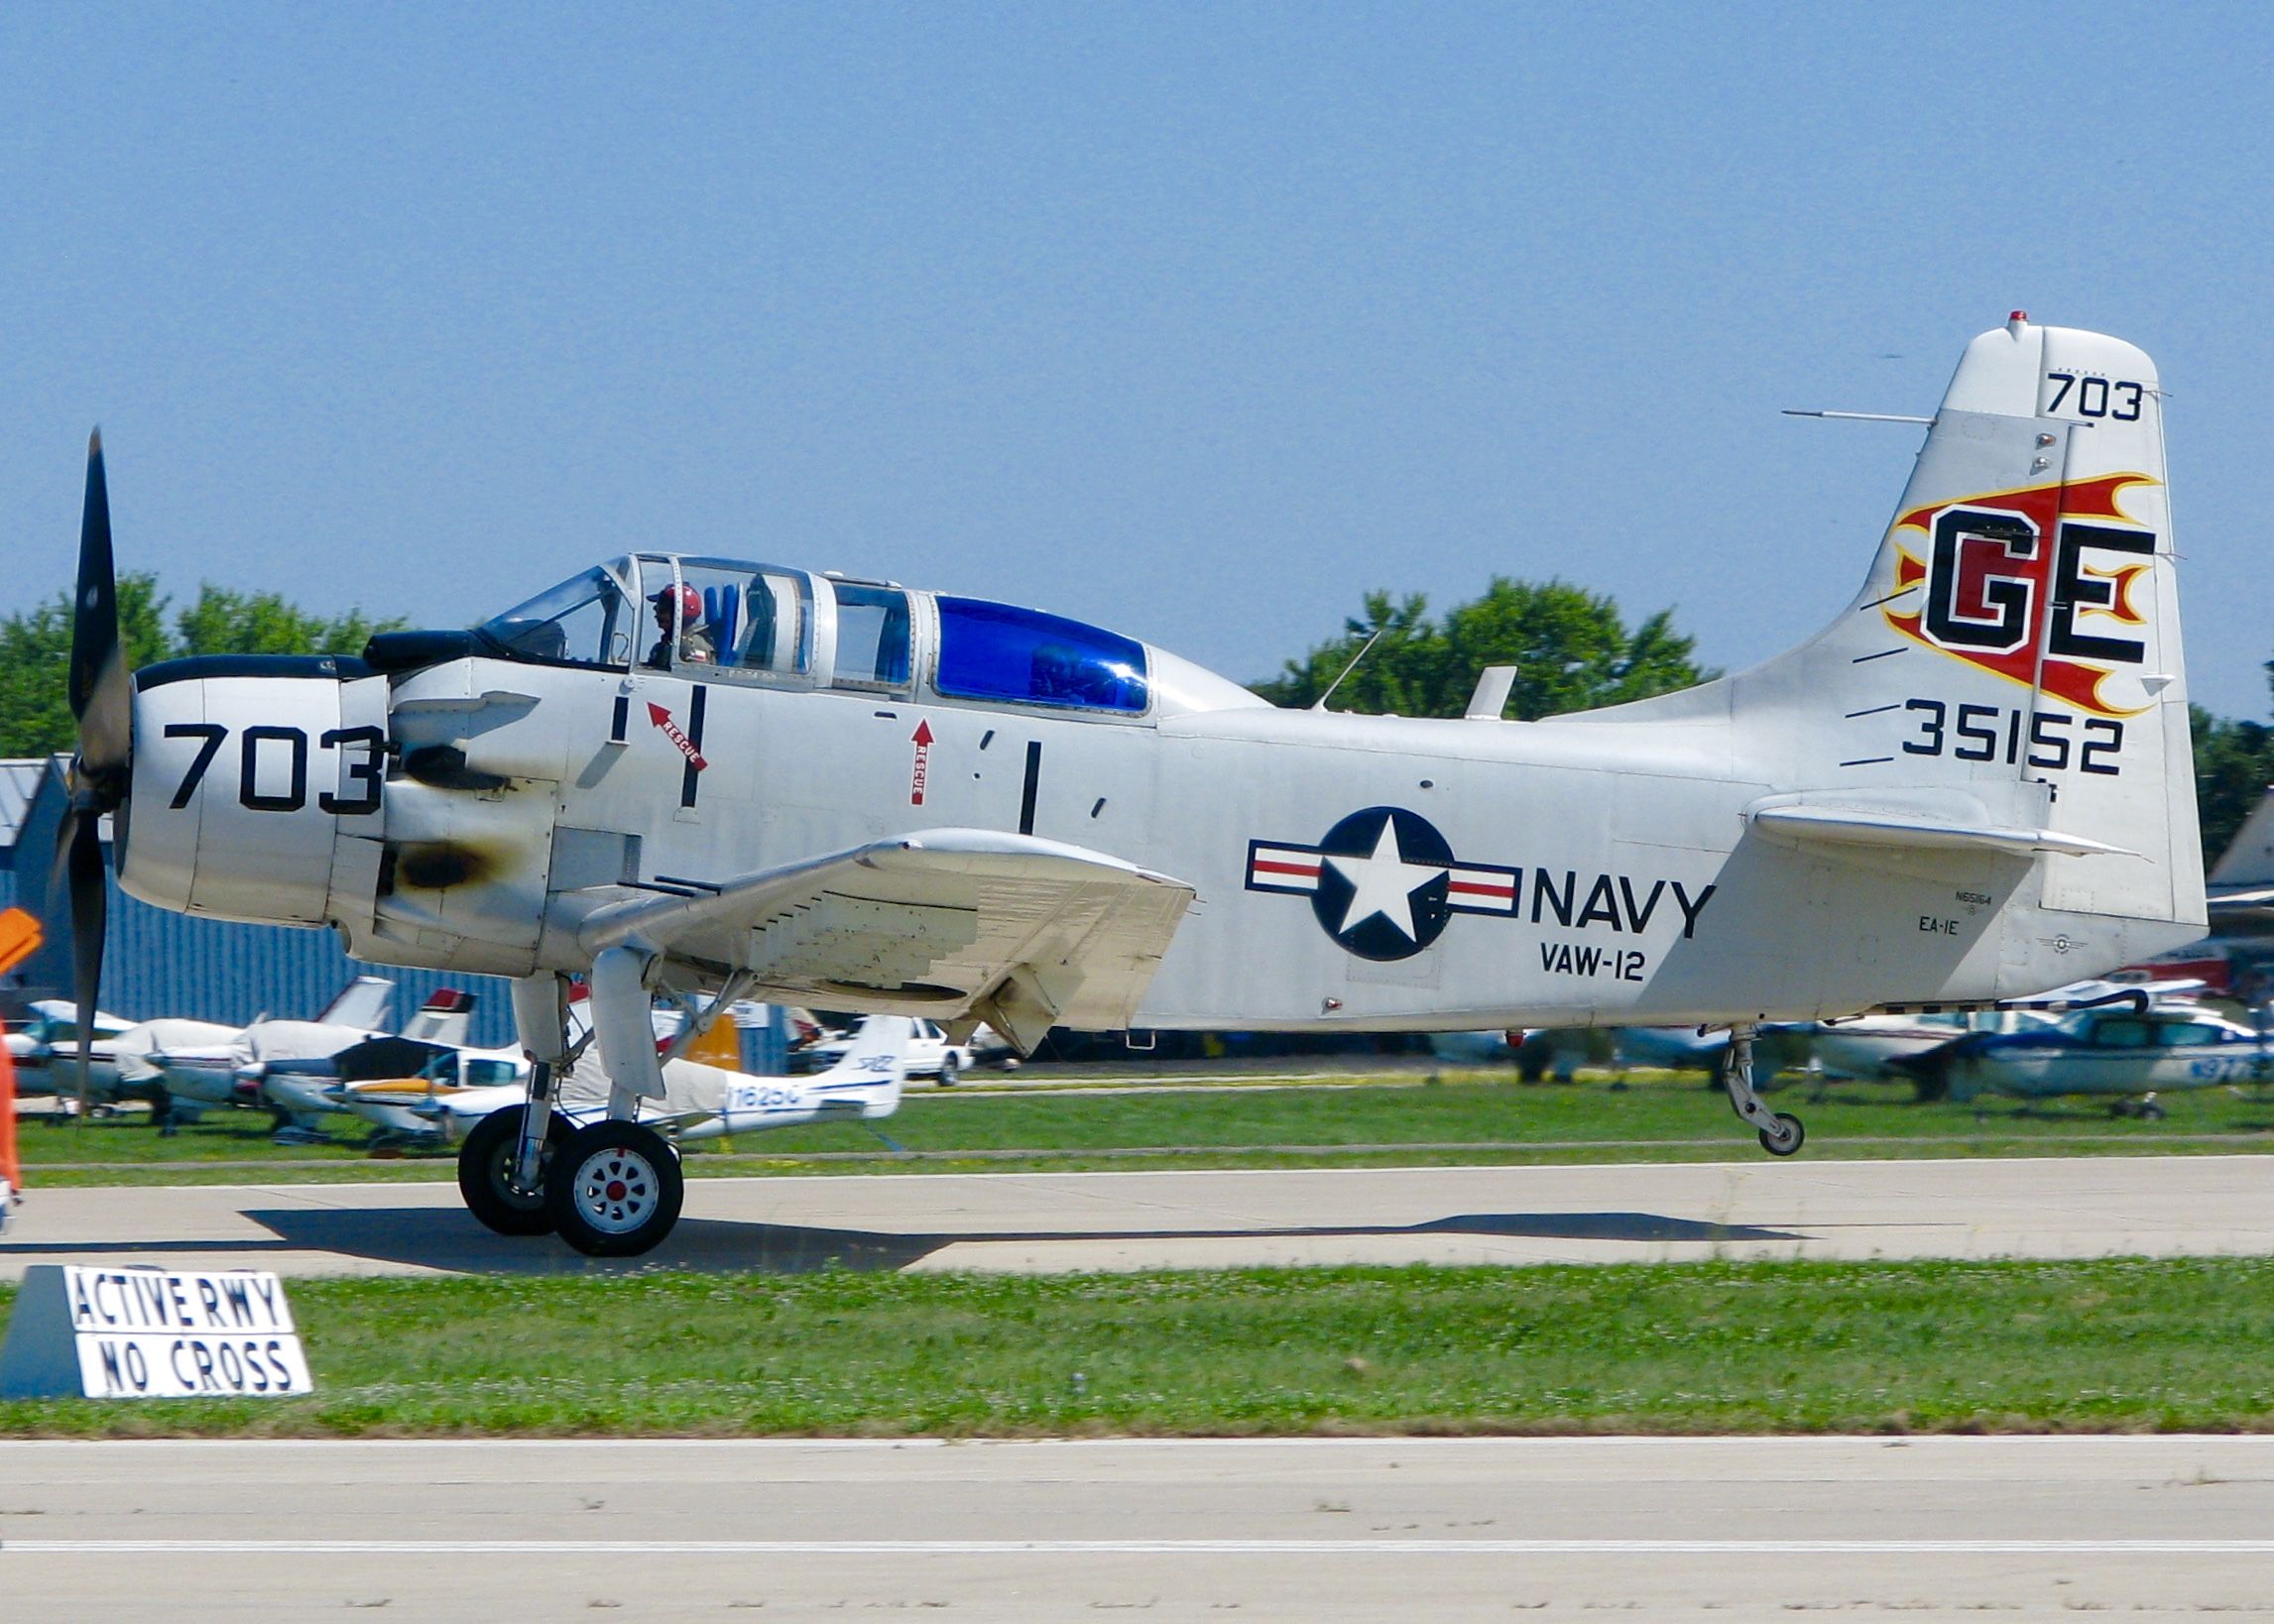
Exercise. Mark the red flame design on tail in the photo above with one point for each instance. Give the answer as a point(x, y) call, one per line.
point(2074, 681)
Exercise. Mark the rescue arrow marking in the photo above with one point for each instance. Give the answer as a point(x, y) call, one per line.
point(662, 719)
point(919, 771)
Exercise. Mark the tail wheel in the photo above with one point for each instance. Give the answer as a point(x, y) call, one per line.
point(486, 1165)
point(1787, 1137)
point(614, 1188)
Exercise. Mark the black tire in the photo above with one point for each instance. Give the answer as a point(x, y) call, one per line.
point(2150, 1112)
point(948, 1070)
point(614, 1188)
point(485, 1166)
point(1769, 1143)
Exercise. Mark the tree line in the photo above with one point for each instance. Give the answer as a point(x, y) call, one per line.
point(36, 646)
point(1572, 649)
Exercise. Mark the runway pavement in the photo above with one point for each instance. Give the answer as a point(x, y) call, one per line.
point(2068, 1207)
point(1436, 1529)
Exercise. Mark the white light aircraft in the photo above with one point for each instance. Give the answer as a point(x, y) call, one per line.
point(2127, 1055)
point(459, 1089)
point(675, 773)
point(1907, 1045)
point(132, 1059)
point(46, 1047)
point(186, 1066)
point(265, 1060)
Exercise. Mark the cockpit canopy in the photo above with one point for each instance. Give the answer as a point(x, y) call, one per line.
point(735, 617)
point(718, 620)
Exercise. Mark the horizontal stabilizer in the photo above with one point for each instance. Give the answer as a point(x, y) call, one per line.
point(1852, 824)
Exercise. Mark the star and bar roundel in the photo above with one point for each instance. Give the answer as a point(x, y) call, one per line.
point(1382, 883)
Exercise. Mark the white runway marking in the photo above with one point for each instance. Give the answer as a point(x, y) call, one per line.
point(1146, 1547)
point(1345, 1529)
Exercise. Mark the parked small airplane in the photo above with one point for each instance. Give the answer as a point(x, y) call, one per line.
point(2129, 1055)
point(233, 1068)
point(183, 1066)
point(45, 1049)
point(273, 1055)
point(1975, 784)
point(458, 1090)
point(1912, 1046)
point(1873, 1048)
point(130, 1058)
point(305, 1086)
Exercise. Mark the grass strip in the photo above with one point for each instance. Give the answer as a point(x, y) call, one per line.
point(1393, 1121)
point(2104, 1345)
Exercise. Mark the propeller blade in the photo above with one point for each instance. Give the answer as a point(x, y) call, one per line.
point(99, 691)
point(102, 700)
point(90, 908)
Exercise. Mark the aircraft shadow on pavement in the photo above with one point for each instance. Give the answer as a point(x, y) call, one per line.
point(449, 1238)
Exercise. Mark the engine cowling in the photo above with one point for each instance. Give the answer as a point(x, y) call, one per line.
point(258, 789)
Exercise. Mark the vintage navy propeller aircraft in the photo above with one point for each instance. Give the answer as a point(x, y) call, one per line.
point(678, 775)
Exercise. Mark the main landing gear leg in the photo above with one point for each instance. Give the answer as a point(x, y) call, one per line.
point(1780, 1132)
point(614, 1187)
point(503, 1163)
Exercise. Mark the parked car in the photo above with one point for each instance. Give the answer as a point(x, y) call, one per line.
point(929, 1053)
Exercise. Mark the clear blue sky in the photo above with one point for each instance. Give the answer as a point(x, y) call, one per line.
point(1196, 321)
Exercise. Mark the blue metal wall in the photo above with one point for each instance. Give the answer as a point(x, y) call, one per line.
point(157, 962)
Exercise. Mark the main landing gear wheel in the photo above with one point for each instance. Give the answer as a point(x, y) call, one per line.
point(947, 1071)
point(1786, 1137)
point(614, 1188)
point(486, 1169)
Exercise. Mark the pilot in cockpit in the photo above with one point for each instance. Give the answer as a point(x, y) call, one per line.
point(683, 605)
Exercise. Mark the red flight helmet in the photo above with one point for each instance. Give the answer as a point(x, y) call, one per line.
point(686, 598)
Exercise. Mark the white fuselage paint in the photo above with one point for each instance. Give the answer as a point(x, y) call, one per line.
point(1599, 868)
point(1639, 895)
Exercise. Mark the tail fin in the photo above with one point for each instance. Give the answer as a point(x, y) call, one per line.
point(362, 1002)
point(2012, 673)
point(877, 1064)
point(2249, 861)
point(445, 1018)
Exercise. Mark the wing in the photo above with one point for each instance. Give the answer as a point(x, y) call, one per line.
point(955, 924)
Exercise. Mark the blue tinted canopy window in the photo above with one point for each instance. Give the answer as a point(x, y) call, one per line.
point(999, 651)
